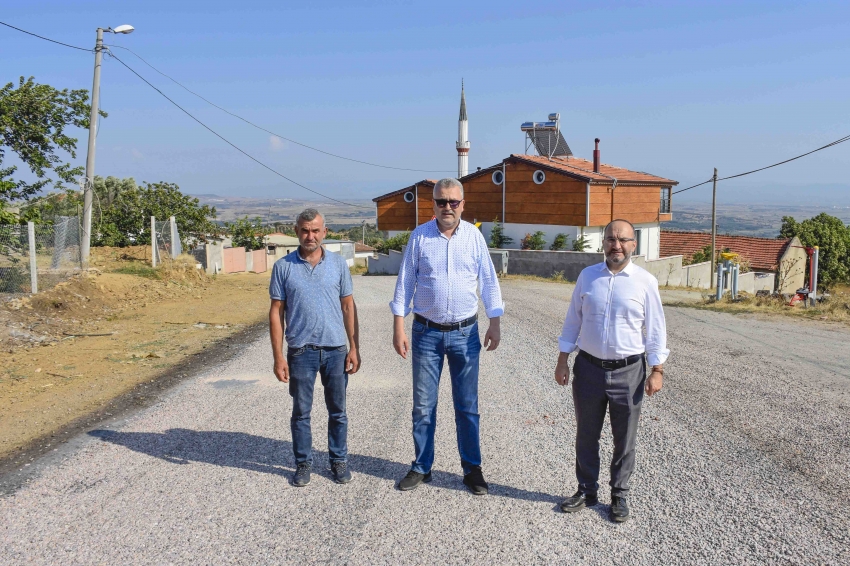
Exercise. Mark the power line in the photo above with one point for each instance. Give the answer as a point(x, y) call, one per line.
point(836, 142)
point(273, 133)
point(692, 187)
point(45, 38)
point(231, 144)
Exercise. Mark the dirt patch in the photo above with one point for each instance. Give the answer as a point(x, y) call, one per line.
point(71, 351)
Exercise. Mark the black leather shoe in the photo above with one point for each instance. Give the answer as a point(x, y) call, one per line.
point(619, 509)
point(474, 480)
point(578, 502)
point(412, 480)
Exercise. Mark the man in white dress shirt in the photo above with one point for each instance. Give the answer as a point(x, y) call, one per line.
point(446, 260)
point(614, 319)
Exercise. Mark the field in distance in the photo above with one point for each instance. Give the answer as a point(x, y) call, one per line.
point(285, 210)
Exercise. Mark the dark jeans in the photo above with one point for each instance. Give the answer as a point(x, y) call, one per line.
point(430, 348)
point(304, 364)
point(621, 391)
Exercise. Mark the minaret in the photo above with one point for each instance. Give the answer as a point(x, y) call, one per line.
point(462, 138)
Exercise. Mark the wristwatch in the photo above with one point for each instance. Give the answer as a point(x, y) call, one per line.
point(659, 369)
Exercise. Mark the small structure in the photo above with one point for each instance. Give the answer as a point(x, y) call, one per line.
point(345, 248)
point(786, 258)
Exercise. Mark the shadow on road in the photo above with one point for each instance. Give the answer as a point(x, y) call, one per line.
point(271, 456)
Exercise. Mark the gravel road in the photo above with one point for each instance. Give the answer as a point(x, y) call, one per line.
point(742, 459)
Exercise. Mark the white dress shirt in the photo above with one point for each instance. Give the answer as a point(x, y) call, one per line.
point(440, 275)
point(614, 316)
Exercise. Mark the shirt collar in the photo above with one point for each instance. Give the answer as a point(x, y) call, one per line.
point(302, 260)
point(457, 230)
point(628, 270)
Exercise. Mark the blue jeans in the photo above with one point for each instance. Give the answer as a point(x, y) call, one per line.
point(304, 364)
point(430, 348)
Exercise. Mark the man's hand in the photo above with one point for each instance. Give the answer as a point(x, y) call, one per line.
point(352, 361)
point(493, 335)
point(281, 369)
point(400, 343)
point(654, 382)
point(562, 369)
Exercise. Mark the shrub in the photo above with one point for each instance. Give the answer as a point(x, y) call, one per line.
point(559, 243)
point(395, 243)
point(498, 239)
point(533, 241)
point(580, 244)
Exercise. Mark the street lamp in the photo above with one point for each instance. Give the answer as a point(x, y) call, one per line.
point(95, 106)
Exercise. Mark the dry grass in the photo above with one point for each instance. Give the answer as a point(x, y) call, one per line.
point(835, 308)
point(555, 278)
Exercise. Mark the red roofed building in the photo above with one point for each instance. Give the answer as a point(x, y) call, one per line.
point(785, 257)
point(561, 194)
point(553, 192)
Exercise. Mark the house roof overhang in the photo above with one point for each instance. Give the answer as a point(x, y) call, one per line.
point(424, 183)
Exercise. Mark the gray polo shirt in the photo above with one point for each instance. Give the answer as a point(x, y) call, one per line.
point(313, 314)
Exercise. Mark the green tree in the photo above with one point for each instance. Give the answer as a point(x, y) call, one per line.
point(533, 241)
point(395, 243)
point(498, 239)
point(33, 119)
point(559, 243)
point(831, 236)
point(581, 243)
point(247, 233)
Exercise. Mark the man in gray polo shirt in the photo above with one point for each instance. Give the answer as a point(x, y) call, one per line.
point(311, 297)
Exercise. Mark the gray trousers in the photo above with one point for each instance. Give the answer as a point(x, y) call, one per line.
point(621, 392)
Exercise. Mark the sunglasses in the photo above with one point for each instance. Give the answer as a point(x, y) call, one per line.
point(442, 202)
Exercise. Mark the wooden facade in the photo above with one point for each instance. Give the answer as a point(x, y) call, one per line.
point(396, 214)
point(561, 200)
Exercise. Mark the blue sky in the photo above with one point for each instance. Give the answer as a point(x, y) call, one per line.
point(671, 88)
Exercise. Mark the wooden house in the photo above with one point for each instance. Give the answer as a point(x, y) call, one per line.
point(557, 195)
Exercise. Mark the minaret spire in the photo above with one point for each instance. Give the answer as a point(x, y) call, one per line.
point(462, 137)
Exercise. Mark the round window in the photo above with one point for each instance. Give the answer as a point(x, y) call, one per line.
point(498, 177)
point(539, 177)
point(409, 196)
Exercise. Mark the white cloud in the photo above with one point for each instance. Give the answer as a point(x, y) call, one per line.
point(137, 154)
point(276, 144)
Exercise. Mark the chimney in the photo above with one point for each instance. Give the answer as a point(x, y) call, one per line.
point(596, 157)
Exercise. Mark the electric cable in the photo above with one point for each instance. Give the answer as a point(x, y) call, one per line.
point(273, 133)
point(231, 144)
point(45, 38)
point(830, 144)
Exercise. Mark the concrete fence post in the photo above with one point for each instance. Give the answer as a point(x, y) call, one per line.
point(33, 265)
point(153, 241)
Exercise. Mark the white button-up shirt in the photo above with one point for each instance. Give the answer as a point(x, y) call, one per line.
point(614, 316)
point(440, 275)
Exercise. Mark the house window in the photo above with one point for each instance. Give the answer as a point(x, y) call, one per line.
point(665, 200)
point(639, 238)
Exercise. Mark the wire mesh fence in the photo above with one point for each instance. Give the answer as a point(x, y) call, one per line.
point(167, 240)
point(35, 257)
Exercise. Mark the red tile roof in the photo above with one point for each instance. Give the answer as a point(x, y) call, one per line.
point(360, 248)
point(762, 253)
point(579, 167)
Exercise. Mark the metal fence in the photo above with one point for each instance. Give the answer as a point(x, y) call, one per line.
point(35, 257)
point(167, 240)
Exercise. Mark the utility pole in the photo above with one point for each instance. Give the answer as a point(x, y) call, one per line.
point(89, 186)
point(85, 246)
point(714, 225)
point(363, 241)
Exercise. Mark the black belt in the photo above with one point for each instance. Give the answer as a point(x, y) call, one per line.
point(446, 327)
point(610, 364)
